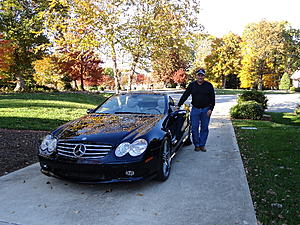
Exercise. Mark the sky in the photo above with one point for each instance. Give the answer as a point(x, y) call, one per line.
point(220, 17)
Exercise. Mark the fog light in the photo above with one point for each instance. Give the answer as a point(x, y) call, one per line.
point(44, 165)
point(129, 173)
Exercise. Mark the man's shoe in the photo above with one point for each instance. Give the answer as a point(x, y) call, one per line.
point(198, 149)
point(202, 148)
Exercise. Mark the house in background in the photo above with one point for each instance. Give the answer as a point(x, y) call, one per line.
point(296, 79)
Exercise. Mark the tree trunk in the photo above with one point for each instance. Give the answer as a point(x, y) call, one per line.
point(81, 75)
point(116, 71)
point(75, 84)
point(260, 83)
point(20, 86)
point(131, 76)
point(224, 82)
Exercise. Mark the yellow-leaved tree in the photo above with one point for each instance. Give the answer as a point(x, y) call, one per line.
point(263, 51)
point(225, 58)
point(46, 73)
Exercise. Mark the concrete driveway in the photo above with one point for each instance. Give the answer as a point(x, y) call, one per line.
point(205, 188)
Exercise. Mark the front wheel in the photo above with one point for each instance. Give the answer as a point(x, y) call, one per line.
point(165, 161)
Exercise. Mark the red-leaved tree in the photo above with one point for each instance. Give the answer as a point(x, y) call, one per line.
point(180, 77)
point(6, 54)
point(140, 79)
point(82, 66)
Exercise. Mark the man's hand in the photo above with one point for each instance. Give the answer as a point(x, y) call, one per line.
point(209, 112)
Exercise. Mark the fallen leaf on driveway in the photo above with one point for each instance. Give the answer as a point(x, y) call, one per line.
point(76, 211)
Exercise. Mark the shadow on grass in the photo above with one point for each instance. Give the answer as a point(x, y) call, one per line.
point(20, 123)
point(39, 105)
point(285, 119)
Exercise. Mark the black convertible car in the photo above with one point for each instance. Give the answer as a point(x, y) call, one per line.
point(129, 137)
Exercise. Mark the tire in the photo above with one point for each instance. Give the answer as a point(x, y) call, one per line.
point(165, 161)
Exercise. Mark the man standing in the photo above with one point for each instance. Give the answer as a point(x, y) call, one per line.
point(203, 102)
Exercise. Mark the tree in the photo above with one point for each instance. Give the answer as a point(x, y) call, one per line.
point(180, 77)
point(19, 23)
point(263, 48)
point(82, 66)
point(47, 72)
point(291, 56)
point(203, 46)
point(285, 82)
point(140, 79)
point(170, 50)
point(6, 54)
point(225, 58)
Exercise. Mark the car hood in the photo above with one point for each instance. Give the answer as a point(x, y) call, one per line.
point(108, 128)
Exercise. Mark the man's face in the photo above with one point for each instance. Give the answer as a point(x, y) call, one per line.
point(200, 78)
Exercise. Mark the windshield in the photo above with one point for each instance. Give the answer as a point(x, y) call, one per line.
point(134, 103)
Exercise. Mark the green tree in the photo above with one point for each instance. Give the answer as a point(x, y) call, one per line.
point(20, 23)
point(285, 82)
point(291, 58)
point(170, 49)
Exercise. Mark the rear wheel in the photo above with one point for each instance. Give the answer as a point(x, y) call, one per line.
point(165, 161)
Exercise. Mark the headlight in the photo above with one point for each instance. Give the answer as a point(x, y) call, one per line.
point(134, 149)
point(138, 147)
point(122, 149)
point(48, 145)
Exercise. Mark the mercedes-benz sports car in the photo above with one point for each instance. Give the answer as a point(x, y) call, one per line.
point(129, 137)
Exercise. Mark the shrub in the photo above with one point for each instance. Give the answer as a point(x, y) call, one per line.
point(297, 89)
point(285, 82)
point(256, 96)
point(247, 110)
point(297, 110)
point(292, 88)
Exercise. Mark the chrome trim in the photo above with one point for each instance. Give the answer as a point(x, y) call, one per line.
point(92, 151)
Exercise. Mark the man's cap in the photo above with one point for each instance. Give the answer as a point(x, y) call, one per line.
point(200, 72)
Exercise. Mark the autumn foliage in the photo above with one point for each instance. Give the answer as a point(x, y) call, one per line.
point(82, 66)
point(6, 54)
point(180, 77)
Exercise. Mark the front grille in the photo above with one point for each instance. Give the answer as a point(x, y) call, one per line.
point(92, 151)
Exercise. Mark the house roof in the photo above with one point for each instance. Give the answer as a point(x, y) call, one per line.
point(296, 75)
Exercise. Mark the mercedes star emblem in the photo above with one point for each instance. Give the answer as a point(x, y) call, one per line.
point(79, 150)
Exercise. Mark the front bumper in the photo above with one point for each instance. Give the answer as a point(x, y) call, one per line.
point(99, 173)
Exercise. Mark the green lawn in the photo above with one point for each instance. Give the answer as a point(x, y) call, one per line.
point(44, 111)
point(272, 162)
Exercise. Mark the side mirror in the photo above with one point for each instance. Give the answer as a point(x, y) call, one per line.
point(171, 104)
point(88, 111)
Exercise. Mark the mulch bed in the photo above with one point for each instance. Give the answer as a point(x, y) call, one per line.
point(18, 149)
